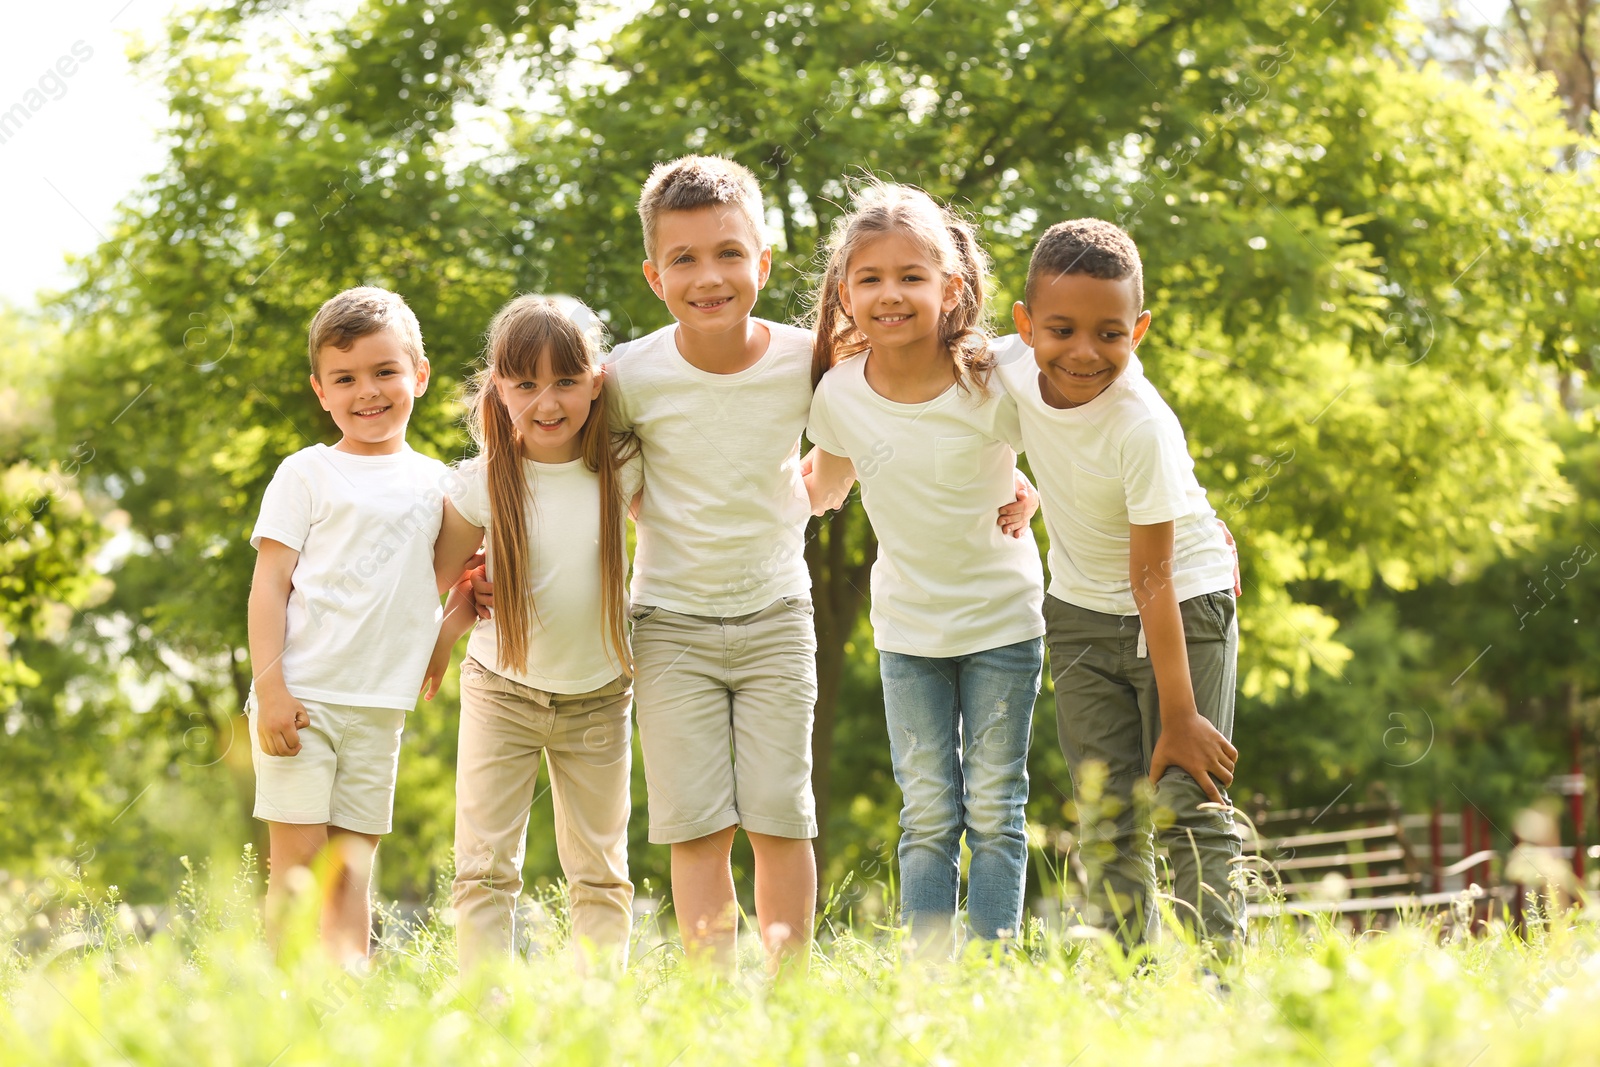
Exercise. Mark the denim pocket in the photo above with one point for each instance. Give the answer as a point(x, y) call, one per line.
point(642, 612)
point(955, 460)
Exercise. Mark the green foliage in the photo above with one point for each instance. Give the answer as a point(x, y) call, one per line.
point(1363, 274)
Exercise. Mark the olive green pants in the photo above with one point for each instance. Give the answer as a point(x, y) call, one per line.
point(1109, 719)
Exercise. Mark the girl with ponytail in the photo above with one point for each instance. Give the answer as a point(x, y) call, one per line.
point(904, 400)
point(551, 671)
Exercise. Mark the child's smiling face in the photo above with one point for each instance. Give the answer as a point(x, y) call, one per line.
point(370, 391)
point(549, 409)
point(896, 293)
point(709, 266)
point(1083, 331)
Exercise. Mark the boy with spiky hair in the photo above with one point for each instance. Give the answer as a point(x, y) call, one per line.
point(1140, 618)
point(723, 639)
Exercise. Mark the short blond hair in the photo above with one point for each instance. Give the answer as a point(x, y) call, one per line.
point(695, 182)
point(344, 319)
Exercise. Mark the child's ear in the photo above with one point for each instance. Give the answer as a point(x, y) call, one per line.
point(424, 373)
point(844, 300)
point(1024, 321)
point(952, 293)
point(1140, 325)
point(653, 276)
point(598, 383)
point(765, 269)
point(316, 387)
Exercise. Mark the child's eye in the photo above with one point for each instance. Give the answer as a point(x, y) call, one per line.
point(1062, 331)
point(913, 277)
point(525, 385)
point(566, 383)
point(343, 379)
point(1111, 335)
point(683, 259)
point(734, 252)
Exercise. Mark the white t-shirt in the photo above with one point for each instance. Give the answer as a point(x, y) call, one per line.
point(364, 611)
point(947, 581)
point(721, 530)
point(568, 650)
point(1119, 459)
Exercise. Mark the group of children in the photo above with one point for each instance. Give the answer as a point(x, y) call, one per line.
point(694, 432)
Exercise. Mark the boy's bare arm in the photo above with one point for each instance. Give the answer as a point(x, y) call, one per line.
point(279, 716)
point(458, 541)
point(1188, 739)
point(458, 619)
point(828, 480)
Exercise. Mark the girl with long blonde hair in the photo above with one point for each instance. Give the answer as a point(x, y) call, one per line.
point(550, 672)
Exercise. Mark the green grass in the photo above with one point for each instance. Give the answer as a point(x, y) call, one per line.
point(206, 991)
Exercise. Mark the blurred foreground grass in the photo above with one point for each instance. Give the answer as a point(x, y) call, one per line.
point(205, 991)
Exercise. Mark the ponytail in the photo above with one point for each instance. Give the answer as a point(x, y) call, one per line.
point(964, 329)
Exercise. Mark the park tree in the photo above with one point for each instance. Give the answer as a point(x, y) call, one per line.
point(1361, 270)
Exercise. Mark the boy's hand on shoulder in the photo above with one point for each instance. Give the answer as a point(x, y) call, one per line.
point(279, 720)
point(1194, 744)
point(1015, 516)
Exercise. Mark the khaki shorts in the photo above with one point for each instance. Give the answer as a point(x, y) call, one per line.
point(725, 714)
point(343, 775)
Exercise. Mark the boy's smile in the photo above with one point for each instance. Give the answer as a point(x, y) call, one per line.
point(370, 391)
point(709, 267)
point(1083, 331)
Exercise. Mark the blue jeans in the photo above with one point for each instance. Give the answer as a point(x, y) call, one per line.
point(958, 734)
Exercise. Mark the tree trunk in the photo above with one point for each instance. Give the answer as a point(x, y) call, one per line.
point(839, 580)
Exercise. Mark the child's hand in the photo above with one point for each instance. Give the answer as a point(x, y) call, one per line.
point(1015, 516)
point(279, 720)
point(480, 591)
point(438, 664)
point(1227, 535)
point(1192, 743)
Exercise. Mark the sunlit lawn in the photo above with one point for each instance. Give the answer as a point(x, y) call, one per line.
point(205, 990)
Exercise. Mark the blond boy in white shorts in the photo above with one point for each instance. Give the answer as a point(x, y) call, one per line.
point(344, 611)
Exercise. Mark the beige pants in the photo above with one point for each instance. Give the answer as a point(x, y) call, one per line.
point(586, 740)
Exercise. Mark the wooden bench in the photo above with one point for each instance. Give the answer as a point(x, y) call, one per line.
point(1348, 859)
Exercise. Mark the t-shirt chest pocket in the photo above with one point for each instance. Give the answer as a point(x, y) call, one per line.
point(1100, 500)
point(955, 460)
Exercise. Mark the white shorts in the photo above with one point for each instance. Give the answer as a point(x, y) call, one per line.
point(343, 775)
